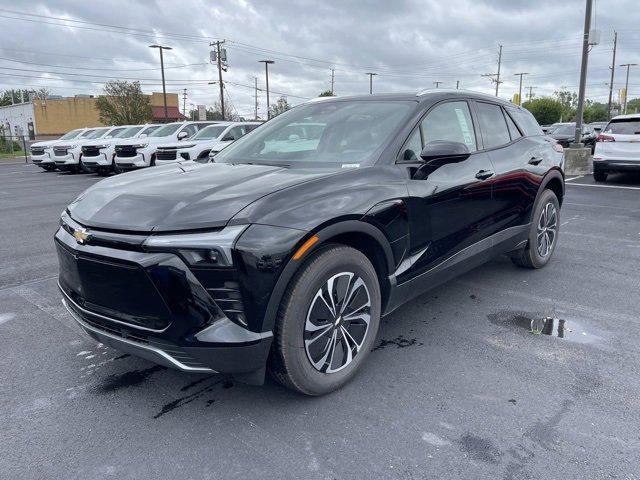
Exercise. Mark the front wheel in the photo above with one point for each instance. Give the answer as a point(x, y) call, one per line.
point(543, 233)
point(327, 321)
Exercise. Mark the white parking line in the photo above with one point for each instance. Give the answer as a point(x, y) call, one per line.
point(573, 178)
point(603, 186)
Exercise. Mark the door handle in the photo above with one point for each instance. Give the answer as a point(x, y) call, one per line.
point(535, 160)
point(484, 174)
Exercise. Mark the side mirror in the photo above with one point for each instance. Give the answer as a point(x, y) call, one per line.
point(442, 152)
point(229, 138)
point(143, 135)
point(183, 135)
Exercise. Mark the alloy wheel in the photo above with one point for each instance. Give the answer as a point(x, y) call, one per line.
point(547, 229)
point(337, 322)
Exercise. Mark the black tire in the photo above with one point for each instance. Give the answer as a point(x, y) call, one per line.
point(530, 256)
point(600, 176)
point(49, 168)
point(116, 168)
point(289, 362)
point(152, 162)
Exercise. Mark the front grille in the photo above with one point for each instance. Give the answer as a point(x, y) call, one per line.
point(125, 151)
point(37, 150)
point(166, 154)
point(59, 151)
point(90, 151)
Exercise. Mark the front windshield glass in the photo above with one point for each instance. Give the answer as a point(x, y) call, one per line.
point(208, 133)
point(127, 132)
point(87, 133)
point(70, 135)
point(565, 130)
point(97, 133)
point(166, 130)
point(323, 133)
point(150, 129)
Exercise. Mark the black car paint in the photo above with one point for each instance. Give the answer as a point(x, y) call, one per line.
point(417, 233)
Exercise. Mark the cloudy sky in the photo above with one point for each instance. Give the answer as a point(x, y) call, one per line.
point(73, 47)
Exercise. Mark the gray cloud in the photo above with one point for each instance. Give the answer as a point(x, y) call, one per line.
point(409, 43)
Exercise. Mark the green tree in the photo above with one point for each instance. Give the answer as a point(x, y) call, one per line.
point(279, 107)
point(633, 106)
point(546, 110)
point(22, 95)
point(595, 112)
point(123, 103)
point(569, 102)
point(326, 93)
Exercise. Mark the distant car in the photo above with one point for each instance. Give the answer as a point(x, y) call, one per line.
point(548, 129)
point(617, 147)
point(98, 156)
point(598, 126)
point(68, 155)
point(210, 139)
point(564, 134)
point(40, 151)
point(141, 152)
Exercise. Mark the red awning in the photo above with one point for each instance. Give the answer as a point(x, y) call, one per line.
point(172, 112)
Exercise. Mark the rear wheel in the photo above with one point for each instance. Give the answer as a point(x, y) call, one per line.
point(599, 176)
point(543, 233)
point(327, 321)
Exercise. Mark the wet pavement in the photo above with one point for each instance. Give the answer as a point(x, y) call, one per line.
point(502, 373)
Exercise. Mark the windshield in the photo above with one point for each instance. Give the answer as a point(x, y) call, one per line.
point(207, 133)
point(87, 133)
point(70, 135)
point(627, 126)
point(347, 132)
point(150, 129)
point(127, 132)
point(97, 133)
point(565, 130)
point(114, 133)
point(166, 130)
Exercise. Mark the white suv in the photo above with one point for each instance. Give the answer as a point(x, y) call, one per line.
point(68, 155)
point(141, 152)
point(211, 139)
point(40, 151)
point(97, 156)
point(617, 147)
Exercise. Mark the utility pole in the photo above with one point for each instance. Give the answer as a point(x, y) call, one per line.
point(437, 84)
point(255, 79)
point(626, 85)
point(583, 73)
point(520, 87)
point(613, 69)
point(164, 89)
point(221, 67)
point(499, 65)
point(266, 72)
point(457, 84)
point(371, 74)
point(184, 101)
point(531, 92)
point(333, 77)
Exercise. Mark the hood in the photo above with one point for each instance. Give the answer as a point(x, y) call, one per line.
point(181, 196)
point(561, 136)
point(184, 143)
point(149, 140)
point(45, 143)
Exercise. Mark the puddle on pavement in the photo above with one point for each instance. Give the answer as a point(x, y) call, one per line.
point(566, 329)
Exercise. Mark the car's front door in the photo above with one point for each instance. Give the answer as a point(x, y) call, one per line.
point(449, 206)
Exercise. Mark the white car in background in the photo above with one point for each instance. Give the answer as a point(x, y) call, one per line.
point(617, 147)
point(40, 151)
point(209, 140)
point(141, 152)
point(68, 155)
point(98, 156)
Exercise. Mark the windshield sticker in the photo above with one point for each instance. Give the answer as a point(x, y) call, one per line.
point(466, 133)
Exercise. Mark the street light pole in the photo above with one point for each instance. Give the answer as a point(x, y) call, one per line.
point(583, 73)
point(520, 88)
point(613, 71)
point(164, 89)
point(626, 85)
point(371, 74)
point(266, 73)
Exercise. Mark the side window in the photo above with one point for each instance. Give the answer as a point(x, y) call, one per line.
point(450, 121)
point(513, 129)
point(190, 129)
point(492, 125)
point(413, 148)
point(250, 127)
point(525, 121)
point(235, 132)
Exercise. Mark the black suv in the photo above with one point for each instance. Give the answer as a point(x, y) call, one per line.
point(284, 253)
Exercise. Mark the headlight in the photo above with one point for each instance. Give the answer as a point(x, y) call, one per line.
point(140, 145)
point(200, 249)
point(188, 146)
point(47, 148)
point(100, 147)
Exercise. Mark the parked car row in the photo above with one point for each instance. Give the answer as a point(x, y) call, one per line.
point(128, 147)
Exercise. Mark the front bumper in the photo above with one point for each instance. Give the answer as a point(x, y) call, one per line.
point(68, 159)
point(616, 165)
point(137, 161)
point(100, 160)
point(151, 305)
point(43, 159)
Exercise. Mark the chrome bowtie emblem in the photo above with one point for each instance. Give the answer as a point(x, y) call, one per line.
point(81, 235)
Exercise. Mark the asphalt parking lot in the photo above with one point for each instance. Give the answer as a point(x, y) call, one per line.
point(457, 386)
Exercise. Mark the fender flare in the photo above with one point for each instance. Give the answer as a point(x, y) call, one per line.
point(324, 234)
point(550, 175)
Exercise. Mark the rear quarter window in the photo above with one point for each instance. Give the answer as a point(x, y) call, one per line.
point(526, 121)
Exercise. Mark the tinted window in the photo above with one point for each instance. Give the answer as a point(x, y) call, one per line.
point(513, 129)
point(450, 121)
point(413, 147)
point(212, 131)
point(190, 129)
point(526, 121)
point(166, 130)
point(492, 125)
point(625, 126)
point(70, 135)
point(235, 133)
